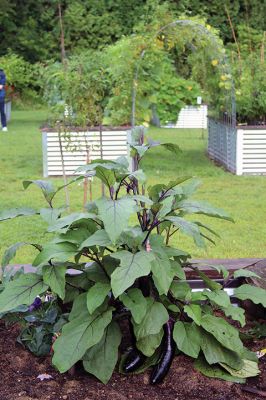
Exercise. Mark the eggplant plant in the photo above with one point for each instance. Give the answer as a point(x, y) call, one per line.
point(114, 263)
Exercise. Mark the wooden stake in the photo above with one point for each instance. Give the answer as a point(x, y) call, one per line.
point(233, 33)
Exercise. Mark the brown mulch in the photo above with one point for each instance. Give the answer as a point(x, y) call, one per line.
point(19, 370)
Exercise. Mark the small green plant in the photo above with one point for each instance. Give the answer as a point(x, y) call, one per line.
point(115, 262)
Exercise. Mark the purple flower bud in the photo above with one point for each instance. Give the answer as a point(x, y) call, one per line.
point(35, 305)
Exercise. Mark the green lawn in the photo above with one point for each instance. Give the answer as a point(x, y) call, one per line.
point(243, 197)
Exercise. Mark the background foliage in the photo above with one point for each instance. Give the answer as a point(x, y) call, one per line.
point(94, 24)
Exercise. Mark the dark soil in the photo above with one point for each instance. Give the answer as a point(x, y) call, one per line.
point(19, 370)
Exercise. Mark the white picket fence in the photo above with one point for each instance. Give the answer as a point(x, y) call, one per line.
point(242, 150)
point(81, 147)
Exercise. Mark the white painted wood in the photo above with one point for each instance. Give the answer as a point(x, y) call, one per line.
point(243, 153)
point(192, 117)
point(239, 152)
point(75, 147)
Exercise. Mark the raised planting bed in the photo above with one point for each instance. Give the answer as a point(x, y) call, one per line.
point(80, 146)
point(20, 370)
point(241, 149)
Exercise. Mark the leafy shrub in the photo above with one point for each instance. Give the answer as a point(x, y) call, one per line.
point(114, 262)
point(22, 81)
point(80, 86)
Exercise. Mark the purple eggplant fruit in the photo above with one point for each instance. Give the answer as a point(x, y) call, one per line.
point(134, 360)
point(168, 352)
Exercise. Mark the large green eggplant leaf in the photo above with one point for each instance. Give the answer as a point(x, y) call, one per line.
point(122, 161)
point(156, 191)
point(245, 273)
point(188, 338)
point(10, 253)
point(17, 212)
point(156, 316)
point(236, 313)
point(115, 215)
point(99, 238)
point(133, 237)
point(214, 371)
point(132, 266)
point(188, 228)
point(215, 353)
point(55, 277)
point(173, 148)
point(180, 290)
point(79, 308)
point(172, 184)
point(61, 252)
point(76, 236)
point(107, 164)
point(189, 188)
point(194, 312)
point(219, 297)
point(22, 290)
point(221, 269)
point(165, 207)
point(63, 224)
point(79, 335)
point(253, 293)
point(139, 175)
point(79, 280)
point(210, 283)
point(47, 188)
point(100, 360)
point(225, 333)
point(107, 176)
point(95, 273)
point(140, 150)
point(96, 295)
point(149, 344)
point(134, 300)
point(51, 215)
point(177, 270)
point(201, 225)
point(141, 198)
point(201, 207)
point(249, 369)
point(161, 271)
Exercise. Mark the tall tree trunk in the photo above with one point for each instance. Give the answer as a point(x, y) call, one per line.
point(62, 34)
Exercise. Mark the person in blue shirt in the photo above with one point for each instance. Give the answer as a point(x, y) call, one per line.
point(2, 100)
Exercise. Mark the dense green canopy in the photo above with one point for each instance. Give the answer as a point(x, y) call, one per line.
point(96, 23)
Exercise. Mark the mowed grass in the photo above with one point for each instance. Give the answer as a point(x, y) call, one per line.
point(244, 197)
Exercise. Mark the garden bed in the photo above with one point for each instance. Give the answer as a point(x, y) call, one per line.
point(241, 149)
point(80, 146)
point(20, 369)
